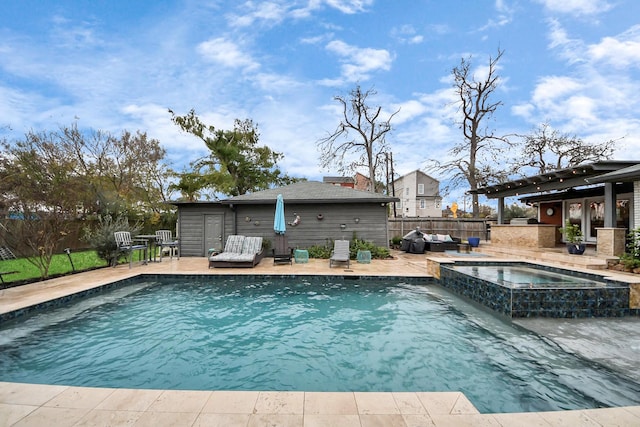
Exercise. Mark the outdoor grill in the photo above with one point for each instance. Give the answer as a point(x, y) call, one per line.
point(413, 242)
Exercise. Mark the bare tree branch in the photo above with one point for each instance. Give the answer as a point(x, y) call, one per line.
point(361, 132)
point(547, 149)
point(475, 156)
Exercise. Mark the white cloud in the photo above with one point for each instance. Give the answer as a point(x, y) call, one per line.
point(592, 98)
point(579, 7)
point(551, 88)
point(350, 6)
point(275, 11)
point(358, 63)
point(226, 53)
point(503, 16)
point(620, 52)
point(407, 34)
point(269, 12)
point(156, 121)
point(568, 48)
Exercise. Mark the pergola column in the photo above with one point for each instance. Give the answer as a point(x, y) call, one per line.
point(500, 210)
point(609, 205)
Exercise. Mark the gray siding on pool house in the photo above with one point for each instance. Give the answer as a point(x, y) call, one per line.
point(321, 220)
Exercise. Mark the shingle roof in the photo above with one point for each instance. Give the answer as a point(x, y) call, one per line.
point(311, 192)
point(629, 174)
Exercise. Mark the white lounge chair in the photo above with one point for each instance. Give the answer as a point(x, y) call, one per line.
point(340, 253)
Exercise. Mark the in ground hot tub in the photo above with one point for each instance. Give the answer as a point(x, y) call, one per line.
point(531, 290)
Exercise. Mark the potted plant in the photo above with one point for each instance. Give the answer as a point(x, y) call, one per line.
point(573, 236)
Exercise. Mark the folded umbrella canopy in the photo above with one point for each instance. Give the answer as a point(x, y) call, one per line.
point(279, 224)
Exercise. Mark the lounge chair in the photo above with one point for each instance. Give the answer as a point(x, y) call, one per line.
point(239, 251)
point(282, 252)
point(340, 253)
point(164, 240)
point(127, 245)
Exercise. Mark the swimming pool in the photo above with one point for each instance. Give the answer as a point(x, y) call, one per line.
point(519, 289)
point(311, 334)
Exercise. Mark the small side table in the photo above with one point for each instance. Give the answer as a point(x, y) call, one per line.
point(301, 256)
point(464, 248)
point(364, 257)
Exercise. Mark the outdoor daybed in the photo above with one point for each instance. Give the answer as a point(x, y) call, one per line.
point(441, 242)
point(417, 242)
point(239, 251)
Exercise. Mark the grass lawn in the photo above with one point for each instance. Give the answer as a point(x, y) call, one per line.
point(60, 264)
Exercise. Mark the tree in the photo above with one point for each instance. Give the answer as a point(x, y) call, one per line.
point(50, 179)
point(125, 173)
point(236, 163)
point(189, 185)
point(35, 180)
point(475, 156)
point(361, 133)
point(547, 149)
point(516, 210)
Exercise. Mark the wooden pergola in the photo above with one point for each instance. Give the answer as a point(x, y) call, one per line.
point(550, 184)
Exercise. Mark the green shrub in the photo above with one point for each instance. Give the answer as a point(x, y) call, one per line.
point(633, 245)
point(102, 240)
point(629, 261)
point(324, 251)
point(321, 251)
point(266, 246)
point(396, 240)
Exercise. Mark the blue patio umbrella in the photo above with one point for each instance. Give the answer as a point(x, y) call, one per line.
point(279, 224)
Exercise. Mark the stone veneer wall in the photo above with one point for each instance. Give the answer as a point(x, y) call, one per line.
point(524, 236)
point(634, 298)
point(611, 241)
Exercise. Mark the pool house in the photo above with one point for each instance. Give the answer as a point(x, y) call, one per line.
point(314, 212)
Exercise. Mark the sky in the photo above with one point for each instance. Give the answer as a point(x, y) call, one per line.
point(115, 65)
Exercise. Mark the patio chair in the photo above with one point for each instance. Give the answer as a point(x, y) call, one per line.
point(340, 253)
point(127, 245)
point(282, 252)
point(165, 240)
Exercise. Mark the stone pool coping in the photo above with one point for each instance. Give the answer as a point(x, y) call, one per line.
point(36, 405)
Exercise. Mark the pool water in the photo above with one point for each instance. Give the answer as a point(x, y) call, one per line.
point(302, 334)
point(516, 276)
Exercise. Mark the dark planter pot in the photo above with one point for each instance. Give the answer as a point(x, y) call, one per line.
point(576, 249)
point(474, 242)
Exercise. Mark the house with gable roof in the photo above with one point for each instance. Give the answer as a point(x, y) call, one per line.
point(419, 195)
point(316, 212)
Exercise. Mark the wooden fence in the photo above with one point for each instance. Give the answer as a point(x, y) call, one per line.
point(456, 227)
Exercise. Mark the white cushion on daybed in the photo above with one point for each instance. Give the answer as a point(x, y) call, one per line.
point(233, 257)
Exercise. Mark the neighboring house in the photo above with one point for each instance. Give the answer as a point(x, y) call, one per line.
point(359, 182)
point(419, 196)
point(316, 213)
point(341, 181)
point(362, 182)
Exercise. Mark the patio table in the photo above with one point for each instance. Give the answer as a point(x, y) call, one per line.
point(152, 243)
